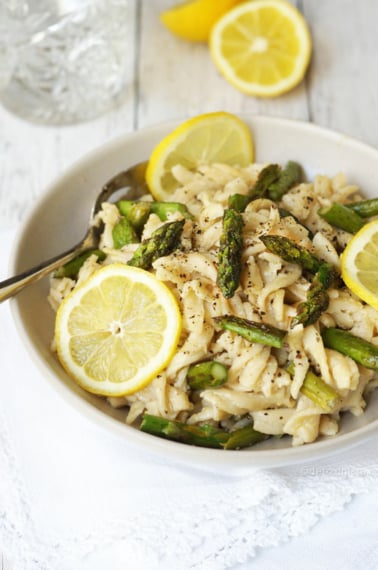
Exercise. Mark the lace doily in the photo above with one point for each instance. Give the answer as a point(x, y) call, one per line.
point(166, 516)
point(73, 499)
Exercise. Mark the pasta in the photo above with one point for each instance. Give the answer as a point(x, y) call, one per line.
point(259, 387)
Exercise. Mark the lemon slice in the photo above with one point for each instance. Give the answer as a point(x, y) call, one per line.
point(212, 137)
point(359, 264)
point(193, 20)
point(262, 48)
point(117, 330)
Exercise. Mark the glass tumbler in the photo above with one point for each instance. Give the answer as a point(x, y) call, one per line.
point(63, 61)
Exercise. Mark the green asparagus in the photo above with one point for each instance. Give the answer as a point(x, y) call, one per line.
point(310, 310)
point(266, 177)
point(317, 297)
point(72, 268)
point(342, 217)
point(163, 241)
point(162, 209)
point(291, 252)
point(201, 435)
point(252, 331)
point(319, 392)
point(244, 437)
point(136, 211)
point(365, 208)
point(289, 177)
point(230, 252)
point(360, 350)
point(123, 233)
point(209, 374)
point(238, 202)
point(322, 394)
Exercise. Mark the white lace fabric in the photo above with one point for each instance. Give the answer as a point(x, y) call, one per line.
point(73, 498)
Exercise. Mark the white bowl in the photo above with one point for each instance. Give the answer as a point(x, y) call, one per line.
point(59, 220)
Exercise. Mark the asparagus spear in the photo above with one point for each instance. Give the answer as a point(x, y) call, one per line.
point(230, 251)
point(365, 208)
point(310, 310)
point(271, 182)
point(254, 332)
point(317, 390)
point(244, 437)
point(266, 177)
point(72, 268)
point(203, 436)
point(162, 209)
point(123, 233)
point(326, 275)
point(291, 252)
point(163, 241)
point(136, 211)
point(209, 374)
point(360, 350)
point(317, 297)
point(342, 217)
point(238, 202)
point(289, 176)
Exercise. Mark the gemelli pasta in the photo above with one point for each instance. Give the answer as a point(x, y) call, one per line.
point(265, 385)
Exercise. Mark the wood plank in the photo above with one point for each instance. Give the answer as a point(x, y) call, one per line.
point(178, 79)
point(343, 80)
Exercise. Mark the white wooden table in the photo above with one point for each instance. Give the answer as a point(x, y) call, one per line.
point(170, 78)
point(174, 79)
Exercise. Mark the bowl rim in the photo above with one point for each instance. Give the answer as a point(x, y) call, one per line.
point(204, 458)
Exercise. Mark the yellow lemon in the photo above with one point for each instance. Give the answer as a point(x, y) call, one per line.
point(359, 264)
point(194, 20)
point(213, 137)
point(117, 330)
point(262, 47)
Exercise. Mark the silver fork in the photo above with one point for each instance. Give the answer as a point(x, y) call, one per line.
point(132, 179)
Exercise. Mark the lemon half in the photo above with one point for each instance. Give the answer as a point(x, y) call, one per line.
point(359, 264)
point(262, 48)
point(212, 137)
point(118, 330)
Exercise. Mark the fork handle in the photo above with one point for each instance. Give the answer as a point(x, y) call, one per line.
point(10, 287)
